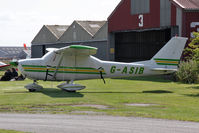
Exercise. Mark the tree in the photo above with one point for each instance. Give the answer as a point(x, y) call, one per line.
point(192, 51)
point(188, 71)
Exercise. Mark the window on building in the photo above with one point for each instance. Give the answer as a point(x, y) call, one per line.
point(140, 6)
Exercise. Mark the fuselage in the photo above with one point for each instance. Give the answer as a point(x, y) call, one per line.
point(54, 67)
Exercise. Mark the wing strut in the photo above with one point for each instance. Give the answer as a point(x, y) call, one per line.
point(101, 74)
point(47, 74)
point(57, 67)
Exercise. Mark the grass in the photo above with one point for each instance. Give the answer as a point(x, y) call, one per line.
point(9, 131)
point(170, 100)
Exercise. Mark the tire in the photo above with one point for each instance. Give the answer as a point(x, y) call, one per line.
point(69, 91)
point(32, 90)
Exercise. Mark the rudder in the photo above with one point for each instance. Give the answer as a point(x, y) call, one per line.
point(169, 56)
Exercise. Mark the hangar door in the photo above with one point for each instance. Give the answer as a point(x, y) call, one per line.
point(139, 46)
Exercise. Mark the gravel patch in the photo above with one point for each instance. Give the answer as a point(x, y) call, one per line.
point(140, 104)
point(88, 112)
point(93, 106)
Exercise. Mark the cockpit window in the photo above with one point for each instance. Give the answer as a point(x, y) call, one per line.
point(47, 54)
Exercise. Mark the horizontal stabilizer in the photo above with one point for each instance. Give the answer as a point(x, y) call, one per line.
point(163, 69)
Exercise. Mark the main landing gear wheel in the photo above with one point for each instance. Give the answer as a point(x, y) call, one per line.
point(31, 90)
point(70, 87)
point(69, 91)
point(33, 87)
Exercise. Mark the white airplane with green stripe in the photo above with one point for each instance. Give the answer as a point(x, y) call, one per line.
point(76, 62)
point(3, 66)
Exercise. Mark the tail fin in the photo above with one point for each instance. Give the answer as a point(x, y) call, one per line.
point(27, 51)
point(169, 56)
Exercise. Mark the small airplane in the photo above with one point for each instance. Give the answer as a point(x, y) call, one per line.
point(76, 62)
point(27, 51)
point(3, 66)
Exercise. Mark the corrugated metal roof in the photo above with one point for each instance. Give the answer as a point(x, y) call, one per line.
point(12, 52)
point(57, 30)
point(91, 26)
point(187, 4)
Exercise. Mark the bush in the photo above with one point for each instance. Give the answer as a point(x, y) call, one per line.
point(188, 72)
point(192, 51)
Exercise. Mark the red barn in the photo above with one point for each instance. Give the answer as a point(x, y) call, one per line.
point(139, 28)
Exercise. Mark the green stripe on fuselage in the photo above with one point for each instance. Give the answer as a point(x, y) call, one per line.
point(166, 59)
point(167, 64)
point(83, 68)
point(62, 67)
point(65, 72)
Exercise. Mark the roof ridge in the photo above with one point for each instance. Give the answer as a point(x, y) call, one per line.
point(51, 31)
point(54, 33)
point(84, 28)
point(187, 4)
point(87, 22)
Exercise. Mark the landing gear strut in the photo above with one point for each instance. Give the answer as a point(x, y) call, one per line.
point(33, 87)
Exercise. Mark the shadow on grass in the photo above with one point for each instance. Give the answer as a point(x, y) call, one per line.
point(16, 92)
point(111, 92)
point(192, 95)
point(193, 87)
point(150, 91)
point(56, 93)
point(159, 78)
point(157, 91)
point(51, 92)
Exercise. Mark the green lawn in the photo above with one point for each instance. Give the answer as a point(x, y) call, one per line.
point(171, 100)
point(9, 131)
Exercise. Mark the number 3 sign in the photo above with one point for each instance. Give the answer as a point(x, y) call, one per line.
point(141, 20)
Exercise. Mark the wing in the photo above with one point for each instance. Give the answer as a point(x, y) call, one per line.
point(77, 50)
point(3, 66)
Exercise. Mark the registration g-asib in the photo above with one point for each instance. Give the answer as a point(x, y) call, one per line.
point(76, 62)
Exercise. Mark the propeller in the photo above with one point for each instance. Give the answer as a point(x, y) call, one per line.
point(101, 74)
point(14, 63)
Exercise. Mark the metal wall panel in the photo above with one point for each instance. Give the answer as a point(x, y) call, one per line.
point(165, 13)
point(122, 19)
point(102, 33)
point(111, 45)
point(102, 53)
point(140, 6)
point(173, 15)
point(36, 51)
point(191, 24)
point(179, 20)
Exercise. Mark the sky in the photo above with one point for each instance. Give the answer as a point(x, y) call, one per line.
point(21, 20)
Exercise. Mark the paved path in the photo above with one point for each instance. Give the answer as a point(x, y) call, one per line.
point(45, 123)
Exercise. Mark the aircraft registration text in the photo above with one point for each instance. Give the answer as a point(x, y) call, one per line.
point(127, 70)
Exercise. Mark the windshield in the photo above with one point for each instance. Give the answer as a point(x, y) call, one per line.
point(47, 54)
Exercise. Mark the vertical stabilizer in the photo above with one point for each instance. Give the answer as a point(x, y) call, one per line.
point(169, 56)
